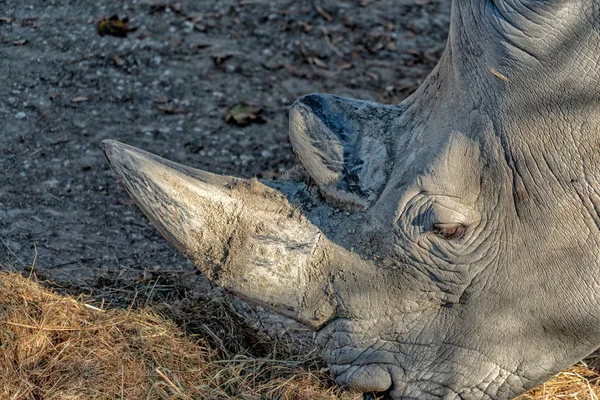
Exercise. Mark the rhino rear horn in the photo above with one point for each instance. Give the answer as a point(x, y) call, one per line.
point(344, 146)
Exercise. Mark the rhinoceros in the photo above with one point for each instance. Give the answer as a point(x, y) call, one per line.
point(445, 247)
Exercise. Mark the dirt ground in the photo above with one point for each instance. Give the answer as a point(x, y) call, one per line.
point(166, 88)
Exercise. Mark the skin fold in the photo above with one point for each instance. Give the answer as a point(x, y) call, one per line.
point(446, 247)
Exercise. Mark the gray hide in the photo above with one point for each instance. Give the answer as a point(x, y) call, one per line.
point(446, 247)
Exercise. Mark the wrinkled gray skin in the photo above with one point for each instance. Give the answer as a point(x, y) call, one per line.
point(446, 247)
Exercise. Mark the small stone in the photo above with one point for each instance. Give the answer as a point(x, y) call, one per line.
point(266, 154)
point(20, 115)
point(188, 26)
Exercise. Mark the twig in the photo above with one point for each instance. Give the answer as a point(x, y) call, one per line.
point(326, 16)
point(85, 58)
point(71, 262)
point(12, 252)
point(329, 44)
point(168, 381)
point(63, 328)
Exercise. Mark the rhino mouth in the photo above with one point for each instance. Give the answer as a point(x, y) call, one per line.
point(391, 364)
point(360, 366)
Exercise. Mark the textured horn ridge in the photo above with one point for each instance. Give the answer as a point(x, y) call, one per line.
point(243, 235)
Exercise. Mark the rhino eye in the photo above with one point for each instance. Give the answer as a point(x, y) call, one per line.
point(448, 231)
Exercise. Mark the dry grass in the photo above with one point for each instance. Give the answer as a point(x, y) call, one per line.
point(581, 381)
point(57, 347)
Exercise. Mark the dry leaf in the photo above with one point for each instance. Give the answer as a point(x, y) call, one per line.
point(176, 7)
point(31, 22)
point(126, 98)
point(80, 99)
point(171, 110)
point(373, 76)
point(200, 27)
point(319, 63)
point(344, 67)
point(114, 26)
point(21, 42)
point(200, 46)
point(196, 19)
point(221, 58)
point(119, 62)
point(6, 20)
point(307, 27)
point(243, 114)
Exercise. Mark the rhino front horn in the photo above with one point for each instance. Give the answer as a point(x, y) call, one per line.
point(243, 235)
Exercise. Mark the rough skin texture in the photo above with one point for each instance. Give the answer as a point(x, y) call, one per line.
point(459, 256)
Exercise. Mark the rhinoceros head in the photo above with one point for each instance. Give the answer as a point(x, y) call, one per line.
point(444, 247)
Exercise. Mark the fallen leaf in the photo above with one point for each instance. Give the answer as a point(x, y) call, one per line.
point(243, 114)
point(221, 58)
point(196, 19)
point(200, 27)
point(6, 20)
point(54, 96)
point(307, 27)
point(21, 42)
point(388, 25)
point(114, 26)
point(31, 22)
point(80, 99)
point(119, 62)
point(171, 110)
point(373, 76)
point(319, 63)
point(344, 66)
point(200, 46)
point(123, 99)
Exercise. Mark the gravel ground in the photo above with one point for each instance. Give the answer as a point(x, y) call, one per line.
point(166, 88)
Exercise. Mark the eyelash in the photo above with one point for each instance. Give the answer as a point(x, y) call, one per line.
point(448, 232)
